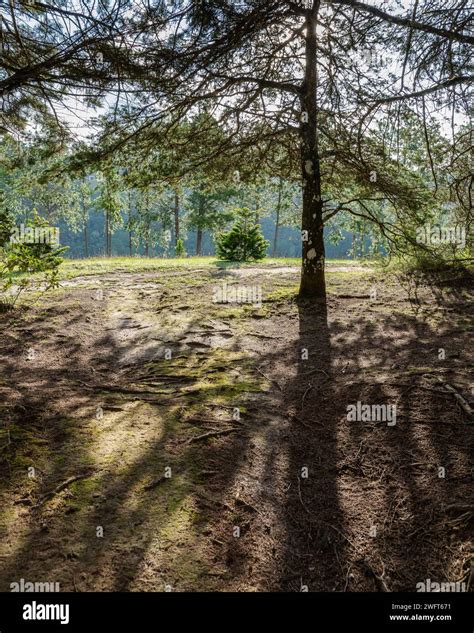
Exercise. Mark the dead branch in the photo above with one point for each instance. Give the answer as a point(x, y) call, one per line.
point(313, 371)
point(269, 379)
point(206, 436)
point(463, 403)
point(62, 486)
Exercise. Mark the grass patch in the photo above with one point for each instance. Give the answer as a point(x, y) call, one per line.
point(284, 293)
point(101, 265)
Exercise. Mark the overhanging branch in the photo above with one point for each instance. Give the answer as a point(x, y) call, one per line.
point(447, 83)
point(408, 22)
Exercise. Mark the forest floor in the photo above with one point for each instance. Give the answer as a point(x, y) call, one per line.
point(110, 384)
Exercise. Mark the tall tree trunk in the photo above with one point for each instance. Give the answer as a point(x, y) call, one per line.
point(199, 228)
point(176, 217)
point(86, 240)
point(148, 223)
point(257, 207)
point(312, 270)
point(86, 219)
point(277, 219)
point(130, 223)
point(147, 239)
point(107, 233)
point(199, 242)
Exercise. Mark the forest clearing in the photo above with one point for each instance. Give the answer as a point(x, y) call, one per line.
point(122, 388)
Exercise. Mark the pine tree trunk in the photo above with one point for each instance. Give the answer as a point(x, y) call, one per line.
point(176, 218)
point(106, 233)
point(130, 252)
point(86, 241)
point(275, 237)
point(312, 272)
point(199, 242)
point(148, 224)
point(85, 232)
point(199, 227)
point(277, 219)
point(147, 239)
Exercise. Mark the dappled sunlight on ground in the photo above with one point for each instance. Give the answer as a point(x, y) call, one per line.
point(181, 442)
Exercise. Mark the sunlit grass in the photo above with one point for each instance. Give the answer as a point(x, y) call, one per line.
point(72, 268)
point(101, 265)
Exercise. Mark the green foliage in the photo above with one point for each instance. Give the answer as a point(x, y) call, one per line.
point(108, 199)
point(244, 242)
point(21, 262)
point(180, 251)
point(151, 222)
point(206, 206)
point(6, 223)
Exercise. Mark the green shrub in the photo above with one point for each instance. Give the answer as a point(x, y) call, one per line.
point(23, 264)
point(179, 250)
point(244, 242)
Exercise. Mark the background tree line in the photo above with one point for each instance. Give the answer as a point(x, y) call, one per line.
point(364, 109)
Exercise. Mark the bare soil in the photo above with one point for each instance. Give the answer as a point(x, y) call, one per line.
point(151, 439)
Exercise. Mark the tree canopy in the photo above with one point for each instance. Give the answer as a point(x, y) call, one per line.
point(328, 95)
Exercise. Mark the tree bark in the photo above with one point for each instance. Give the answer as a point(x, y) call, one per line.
point(147, 239)
point(199, 242)
point(277, 219)
point(107, 233)
point(130, 252)
point(86, 241)
point(199, 228)
point(176, 217)
point(312, 271)
point(85, 232)
point(148, 224)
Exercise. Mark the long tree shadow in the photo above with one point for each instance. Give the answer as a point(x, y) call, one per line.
point(313, 513)
point(372, 509)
